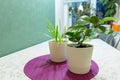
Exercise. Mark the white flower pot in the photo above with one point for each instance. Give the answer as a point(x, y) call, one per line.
point(57, 51)
point(79, 59)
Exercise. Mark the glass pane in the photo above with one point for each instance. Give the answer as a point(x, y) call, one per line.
point(77, 9)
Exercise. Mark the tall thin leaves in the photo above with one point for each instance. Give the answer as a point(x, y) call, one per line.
point(53, 32)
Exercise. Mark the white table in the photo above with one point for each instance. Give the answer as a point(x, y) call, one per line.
point(107, 57)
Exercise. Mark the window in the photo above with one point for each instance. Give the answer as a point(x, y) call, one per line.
point(62, 14)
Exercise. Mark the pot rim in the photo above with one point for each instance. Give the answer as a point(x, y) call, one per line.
point(72, 44)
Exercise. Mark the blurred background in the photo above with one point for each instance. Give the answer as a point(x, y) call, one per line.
point(22, 22)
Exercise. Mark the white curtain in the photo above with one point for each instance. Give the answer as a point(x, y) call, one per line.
point(117, 15)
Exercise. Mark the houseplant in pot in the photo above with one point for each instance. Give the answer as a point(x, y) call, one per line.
point(112, 8)
point(79, 53)
point(57, 44)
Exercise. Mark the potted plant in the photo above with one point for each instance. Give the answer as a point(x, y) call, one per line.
point(57, 44)
point(79, 53)
point(110, 7)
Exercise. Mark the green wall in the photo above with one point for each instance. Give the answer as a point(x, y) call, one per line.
point(22, 23)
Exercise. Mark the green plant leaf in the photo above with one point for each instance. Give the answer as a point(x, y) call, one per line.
point(76, 27)
point(88, 32)
point(74, 36)
point(53, 32)
point(56, 33)
point(94, 19)
point(51, 25)
point(102, 21)
point(102, 28)
point(83, 20)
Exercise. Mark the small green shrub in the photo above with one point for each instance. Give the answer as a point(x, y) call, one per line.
point(53, 32)
point(87, 28)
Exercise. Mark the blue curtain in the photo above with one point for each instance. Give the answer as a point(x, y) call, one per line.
point(100, 10)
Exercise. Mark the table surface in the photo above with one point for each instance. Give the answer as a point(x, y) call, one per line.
point(107, 57)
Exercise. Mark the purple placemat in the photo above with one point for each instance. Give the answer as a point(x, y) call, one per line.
point(41, 68)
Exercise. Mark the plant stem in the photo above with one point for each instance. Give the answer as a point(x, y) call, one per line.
point(83, 38)
point(81, 42)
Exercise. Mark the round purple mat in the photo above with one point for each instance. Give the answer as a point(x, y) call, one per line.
point(41, 68)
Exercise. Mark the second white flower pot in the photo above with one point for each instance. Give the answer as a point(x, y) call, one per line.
point(79, 59)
